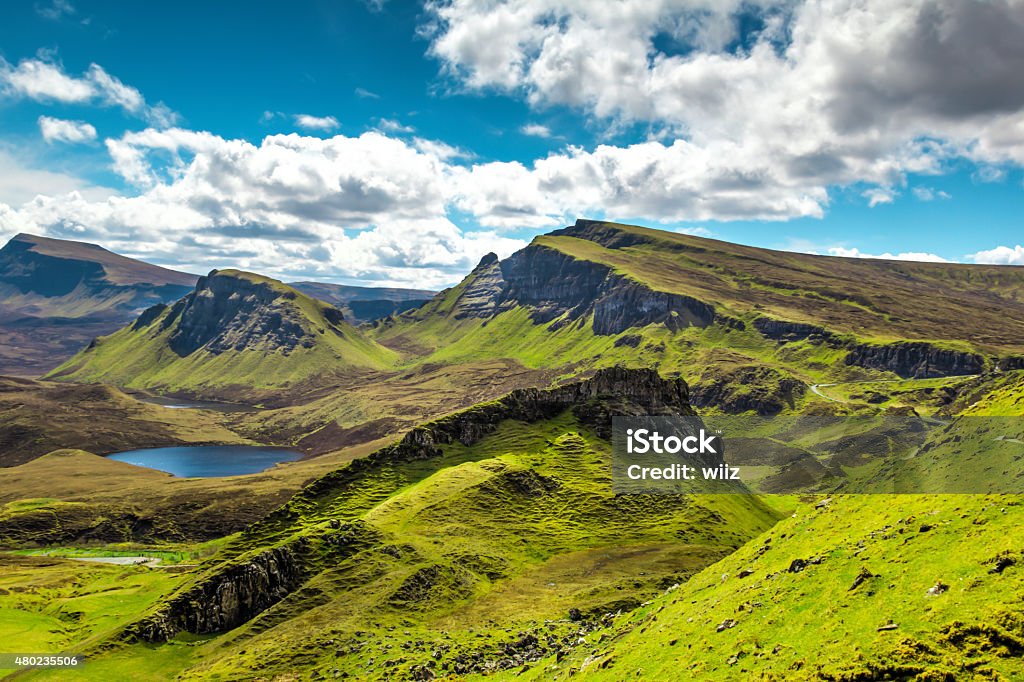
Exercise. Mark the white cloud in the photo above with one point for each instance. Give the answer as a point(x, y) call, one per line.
point(371, 207)
point(366, 94)
point(59, 130)
point(909, 255)
point(697, 231)
point(930, 194)
point(45, 81)
point(391, 126)
point(536, 130)
point(821, 93)
point(325, 123)
point(56, 10)
point(879, 195)
point(1000, 255)
point(20, 182)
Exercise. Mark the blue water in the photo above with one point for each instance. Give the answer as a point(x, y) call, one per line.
point(208, 461)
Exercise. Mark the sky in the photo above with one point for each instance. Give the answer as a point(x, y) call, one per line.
point(384, 142)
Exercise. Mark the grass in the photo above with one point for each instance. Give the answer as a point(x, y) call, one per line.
point(814, 624)
point(143, 358)
point(50, 605)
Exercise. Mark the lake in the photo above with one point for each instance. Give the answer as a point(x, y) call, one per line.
point(208, 461)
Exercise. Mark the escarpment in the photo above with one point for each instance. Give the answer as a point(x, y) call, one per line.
point(918, 360)
point(609, 392)
point(227, 312)
point(238, 592)
point(907, 359)
point(555, 286)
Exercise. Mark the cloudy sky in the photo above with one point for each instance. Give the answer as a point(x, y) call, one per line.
point(393, 142)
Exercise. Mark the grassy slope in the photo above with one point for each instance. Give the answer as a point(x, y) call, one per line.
point(499, 558)
point(814, 624)
point(39, 417)
point(143, 358)
point(867, 300)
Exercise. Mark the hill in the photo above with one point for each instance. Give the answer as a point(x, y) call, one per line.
point(365, 304)
point(599, 293)
point(472, 537)
point(55, 295)
point(236, 336)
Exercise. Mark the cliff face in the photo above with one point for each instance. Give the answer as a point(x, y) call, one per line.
point(917, 359)
point(908, 359)
point(229, 312)
point(551, 284)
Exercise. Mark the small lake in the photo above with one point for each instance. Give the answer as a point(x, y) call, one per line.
point(208, 461)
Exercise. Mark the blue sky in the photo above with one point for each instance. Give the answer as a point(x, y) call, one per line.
point(397, 142)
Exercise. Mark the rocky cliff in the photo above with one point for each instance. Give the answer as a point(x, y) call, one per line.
point(228, 311)
point(916, 359)
point(553, 285)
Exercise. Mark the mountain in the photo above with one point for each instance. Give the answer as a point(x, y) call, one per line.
point(365, 304)
point(596, 294)
point(236, 335)
point(56, 295)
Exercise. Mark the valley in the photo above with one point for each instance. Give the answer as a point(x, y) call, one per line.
point(451, 513)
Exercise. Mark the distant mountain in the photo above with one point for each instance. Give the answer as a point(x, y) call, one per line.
point(236, 335)
point(366, 304)
point(55, 295)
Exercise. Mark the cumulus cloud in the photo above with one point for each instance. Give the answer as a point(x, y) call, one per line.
point(799, 94)
point(909, 255)
point(43, 80)
point(371, 206)
point(59, 130)
point(1000, 255)
point(325, 123)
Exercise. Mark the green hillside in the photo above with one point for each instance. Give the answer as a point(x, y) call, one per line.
point(597, 294)
point(237, 334)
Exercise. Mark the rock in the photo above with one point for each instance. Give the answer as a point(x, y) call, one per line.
point(744, 573)
point(797, 565)
point(726, 624)
point(863, 575)
point(575, 615)
point(915, 359)
point(888, 626)
point(764, 390)
point(823, 503)
point(938, 588)
point(1002, 562)
point(781, 330)
point(231, 312)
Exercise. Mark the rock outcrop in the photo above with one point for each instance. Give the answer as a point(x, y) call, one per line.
point(916, 359)
point(555, 286)
point(228, 311)
point(782, 330)
point(755, 388)
point(908, 359)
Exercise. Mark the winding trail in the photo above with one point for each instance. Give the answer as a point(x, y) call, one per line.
point(815, 388)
